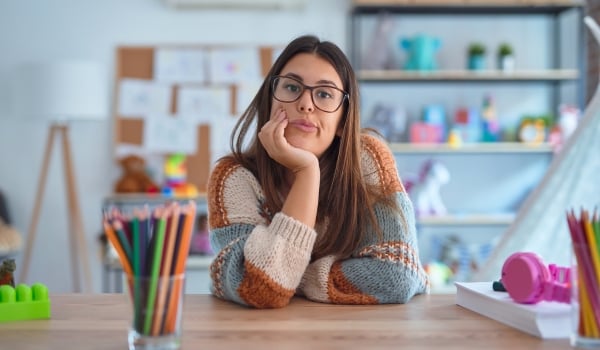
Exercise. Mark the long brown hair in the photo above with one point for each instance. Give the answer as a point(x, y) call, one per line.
point(345, 200)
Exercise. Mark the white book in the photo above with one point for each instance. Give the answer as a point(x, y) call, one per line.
point(546, 319)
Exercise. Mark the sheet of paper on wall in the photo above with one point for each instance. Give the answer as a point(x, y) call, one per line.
point(183, 65)
point(202, 104)
point(139, 98)
point(168, 134)
point(245, 92)
point(220, 135)
point(234, 65)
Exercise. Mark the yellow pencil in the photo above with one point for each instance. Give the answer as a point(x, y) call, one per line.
point(593, 251)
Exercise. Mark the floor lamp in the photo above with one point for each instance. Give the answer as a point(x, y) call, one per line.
point(61, 93)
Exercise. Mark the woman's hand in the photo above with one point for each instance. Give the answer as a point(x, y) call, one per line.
point(272, 137)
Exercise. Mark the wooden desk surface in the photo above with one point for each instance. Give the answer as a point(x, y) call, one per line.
point(426, 322)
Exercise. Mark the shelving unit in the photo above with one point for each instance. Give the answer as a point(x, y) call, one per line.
point(489, 180)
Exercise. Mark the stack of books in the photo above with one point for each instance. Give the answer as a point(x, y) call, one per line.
point(546, 319)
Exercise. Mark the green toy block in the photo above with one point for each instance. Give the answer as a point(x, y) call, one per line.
point(24, 302)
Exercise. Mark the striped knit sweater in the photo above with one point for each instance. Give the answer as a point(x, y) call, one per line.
point(263, 259)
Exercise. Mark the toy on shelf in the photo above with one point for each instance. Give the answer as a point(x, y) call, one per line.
point(532, 130)
point(7, 270)
point(462, 257)
point(176, 177)
point(379, 55)
point(390, 121)
point(440, 274)
point(421, 50)
point(490, 126)
point(134, 178)
point(567, 123)
point(200, 239)
point(24, 302)
point(426, 191)
point(10, 238)
point(431, 128)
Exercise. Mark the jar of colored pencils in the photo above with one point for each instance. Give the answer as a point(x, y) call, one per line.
point(585, 297)
point(153, 248)
point(157, 307)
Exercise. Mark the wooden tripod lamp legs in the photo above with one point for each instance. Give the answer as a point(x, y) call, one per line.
point(76, 232)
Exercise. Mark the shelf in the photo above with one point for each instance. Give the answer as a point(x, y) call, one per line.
point(488, 147)
point(467, 220)
point(148, 198)
point(468, 76)
point(193, 262)
point(448, 7)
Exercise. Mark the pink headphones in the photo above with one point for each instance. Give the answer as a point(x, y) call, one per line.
point(527, 279)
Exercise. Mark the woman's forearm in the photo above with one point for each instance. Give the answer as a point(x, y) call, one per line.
point(303, 198)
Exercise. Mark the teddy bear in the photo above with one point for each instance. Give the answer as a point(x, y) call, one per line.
point(134, 178)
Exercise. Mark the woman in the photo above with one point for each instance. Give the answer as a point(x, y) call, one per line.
point(312, 206)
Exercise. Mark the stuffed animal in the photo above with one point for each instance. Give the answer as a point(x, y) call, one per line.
point(426, 191)
point(421, 50)
point(134, 178)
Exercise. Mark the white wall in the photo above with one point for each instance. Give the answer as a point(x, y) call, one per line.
point(86, 29)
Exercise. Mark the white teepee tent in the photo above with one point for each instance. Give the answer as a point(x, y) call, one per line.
point(571, 182)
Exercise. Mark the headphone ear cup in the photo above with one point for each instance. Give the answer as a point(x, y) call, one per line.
point(524, 276)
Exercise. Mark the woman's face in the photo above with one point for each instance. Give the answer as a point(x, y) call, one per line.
point(309, 127)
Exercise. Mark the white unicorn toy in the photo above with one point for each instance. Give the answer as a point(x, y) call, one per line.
point(426, 191)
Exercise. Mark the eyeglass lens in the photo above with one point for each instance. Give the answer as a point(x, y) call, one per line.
point(325, 98)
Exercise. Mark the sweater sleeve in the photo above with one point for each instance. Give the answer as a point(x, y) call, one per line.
point(260, 257)
point(386, 268)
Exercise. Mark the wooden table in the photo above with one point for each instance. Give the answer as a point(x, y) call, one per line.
point(427, 322)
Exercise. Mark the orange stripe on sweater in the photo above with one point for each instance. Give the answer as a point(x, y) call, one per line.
point(259, 290)
point(342, 291)
point(217, 215)
point(386, 167)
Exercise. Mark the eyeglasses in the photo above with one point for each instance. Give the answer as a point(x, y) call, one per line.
point(325, 97)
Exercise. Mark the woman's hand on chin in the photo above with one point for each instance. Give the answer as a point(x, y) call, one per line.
point(271, 136)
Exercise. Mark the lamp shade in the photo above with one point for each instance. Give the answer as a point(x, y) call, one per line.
point(61, 91)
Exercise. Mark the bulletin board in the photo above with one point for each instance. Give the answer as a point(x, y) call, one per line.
point(138, 63)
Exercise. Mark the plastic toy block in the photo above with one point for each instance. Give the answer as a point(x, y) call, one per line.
point(24, 303)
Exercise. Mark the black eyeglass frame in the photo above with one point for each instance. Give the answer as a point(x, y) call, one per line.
point(345, 95)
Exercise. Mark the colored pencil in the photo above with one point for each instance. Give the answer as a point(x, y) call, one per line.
point(587, 255)
point(166, 268)
point(158, 237)
point(114, 240)
point(181, 258)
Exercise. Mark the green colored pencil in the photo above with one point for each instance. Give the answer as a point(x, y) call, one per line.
point(159, 237)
